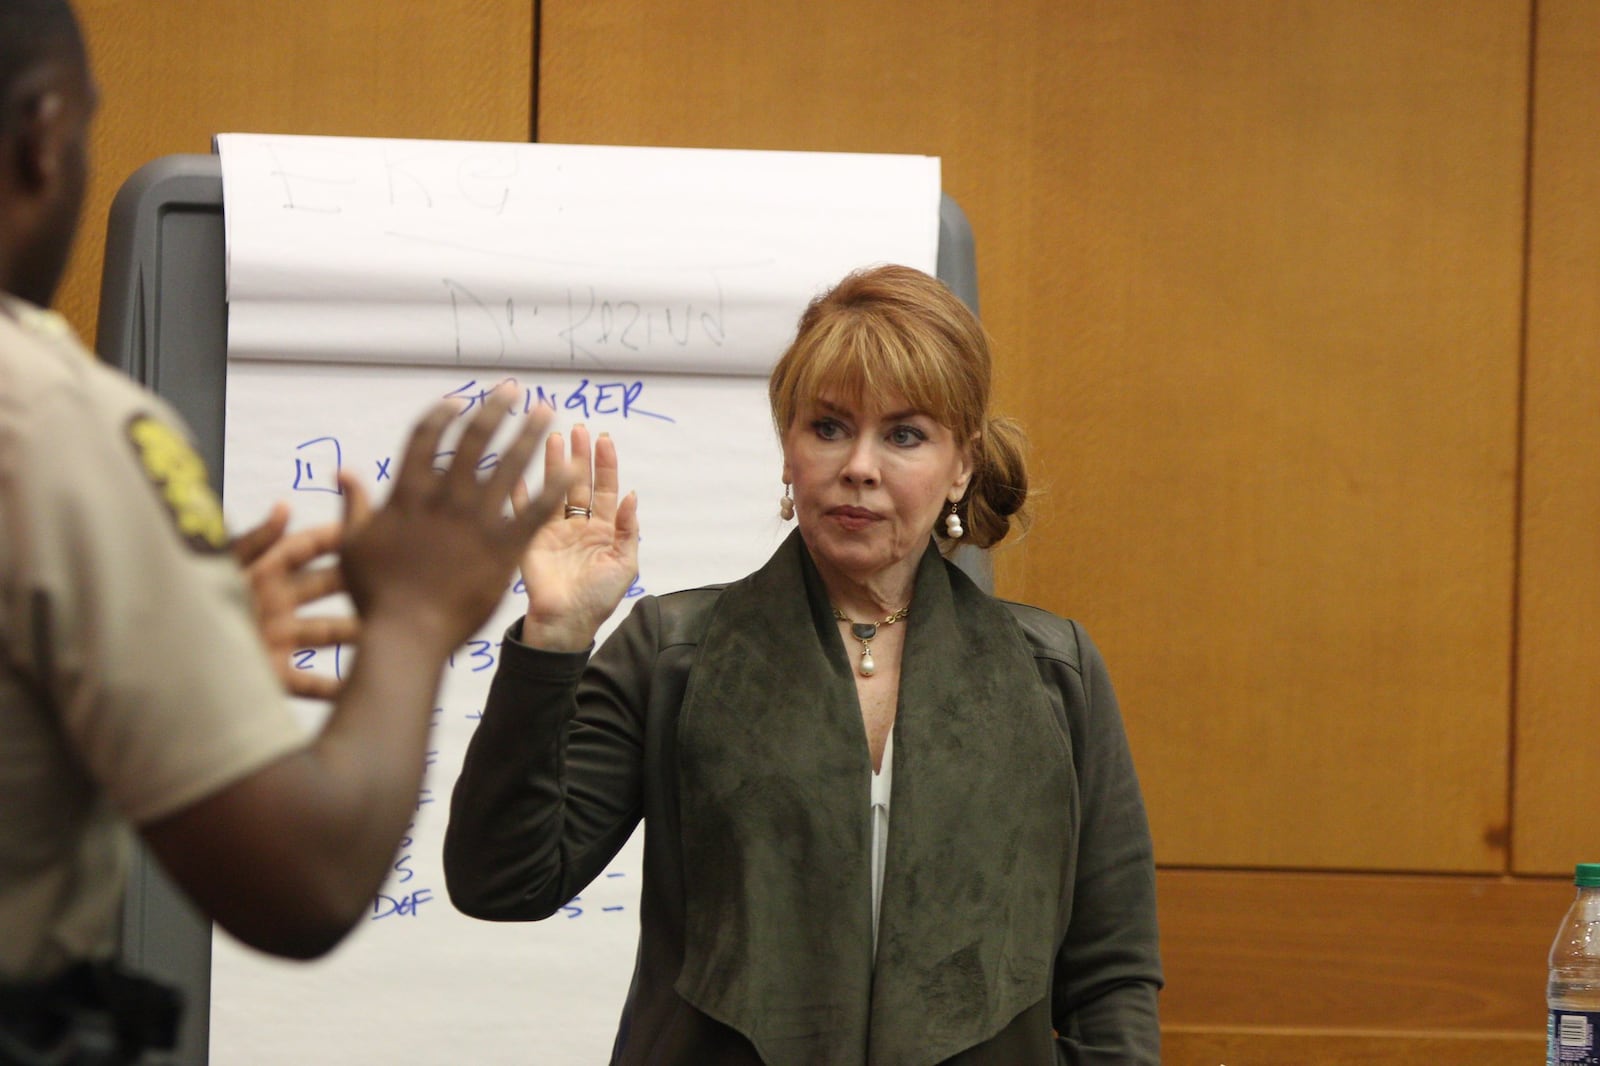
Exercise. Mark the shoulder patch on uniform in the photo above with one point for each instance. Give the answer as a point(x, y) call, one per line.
point(179, 478)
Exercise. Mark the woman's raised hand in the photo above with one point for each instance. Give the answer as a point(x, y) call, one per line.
point(578, 568)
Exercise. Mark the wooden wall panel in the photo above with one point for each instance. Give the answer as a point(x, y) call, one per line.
point(176, 72)
point(1255, 274)
point(1558, 654)
point(1338, 1048)
point(1361, 955)
point(1285, 481)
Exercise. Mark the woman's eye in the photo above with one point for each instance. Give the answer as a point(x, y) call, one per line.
point(905, 436)
point(827, 428)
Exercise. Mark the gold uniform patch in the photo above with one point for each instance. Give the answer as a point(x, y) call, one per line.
point(179, 477)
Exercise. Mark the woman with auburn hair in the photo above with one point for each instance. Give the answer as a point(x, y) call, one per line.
point(889, 818)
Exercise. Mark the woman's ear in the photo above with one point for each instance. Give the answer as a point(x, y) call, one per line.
point(969, 460)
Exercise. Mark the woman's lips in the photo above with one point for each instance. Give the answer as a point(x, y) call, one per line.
point(853, 519)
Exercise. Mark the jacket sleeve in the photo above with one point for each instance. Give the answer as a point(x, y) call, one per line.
point(550, 788)
point(1108, 969)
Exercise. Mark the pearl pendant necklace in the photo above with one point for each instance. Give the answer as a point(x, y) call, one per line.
point(865, 631)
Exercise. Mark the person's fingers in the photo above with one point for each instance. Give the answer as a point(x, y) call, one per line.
point(579, 492)
point(627, 527)
point(555, 456)
point(310, 686)
point(416, 477)
point(357, 506)
point(342, 629)
point(604, 501)
point(250, 545)
point(317, 583)
point(558, 484)
point(325, 631)
point(519, 495)
point(514, 461)
point(461, 478)
point(299, 548)
point(541, 417)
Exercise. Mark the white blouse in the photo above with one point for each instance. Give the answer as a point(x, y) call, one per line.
point(882, 779)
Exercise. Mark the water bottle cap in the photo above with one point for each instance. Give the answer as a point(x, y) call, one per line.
point(1588, 875)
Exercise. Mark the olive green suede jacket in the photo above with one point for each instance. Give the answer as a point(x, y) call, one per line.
point(1017, 922)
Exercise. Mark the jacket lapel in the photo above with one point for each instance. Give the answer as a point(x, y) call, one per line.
point(979, 828)
point(773, 780)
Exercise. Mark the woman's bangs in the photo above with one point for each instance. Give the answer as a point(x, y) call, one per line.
point(857, 363)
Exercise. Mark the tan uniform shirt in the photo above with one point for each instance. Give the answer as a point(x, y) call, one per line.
point(132, 680)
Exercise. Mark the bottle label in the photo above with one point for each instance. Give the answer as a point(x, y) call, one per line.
point(1571, 1038)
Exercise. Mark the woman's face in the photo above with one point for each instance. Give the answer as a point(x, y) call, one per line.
point(870, 480)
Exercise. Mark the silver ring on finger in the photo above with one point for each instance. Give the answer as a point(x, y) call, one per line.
point(574, 511)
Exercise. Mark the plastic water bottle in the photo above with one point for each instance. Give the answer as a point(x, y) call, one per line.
point(1573, 994)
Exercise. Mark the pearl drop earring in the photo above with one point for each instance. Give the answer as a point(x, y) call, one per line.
point(786, 504)
point(952, 523)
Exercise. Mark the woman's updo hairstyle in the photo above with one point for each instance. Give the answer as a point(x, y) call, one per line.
point(894, 330)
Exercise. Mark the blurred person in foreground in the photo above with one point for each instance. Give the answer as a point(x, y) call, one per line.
point(889, 818)
point(142, 685)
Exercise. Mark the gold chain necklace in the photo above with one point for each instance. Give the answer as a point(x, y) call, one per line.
point(865, 631)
